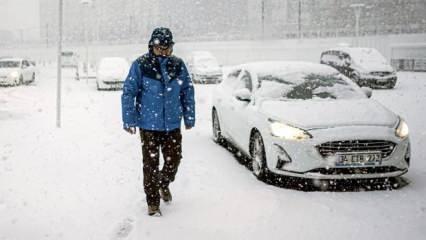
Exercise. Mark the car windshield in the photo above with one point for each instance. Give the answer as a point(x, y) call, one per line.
point(9, 64)
point(111, 64)
point(306, 86)
point(368, 56)
point(207, 62)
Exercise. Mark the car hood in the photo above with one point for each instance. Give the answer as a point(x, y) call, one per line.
point(207, 70)
point(326, 114)
point(112, 73)
point(7, 71)
point(375, 67)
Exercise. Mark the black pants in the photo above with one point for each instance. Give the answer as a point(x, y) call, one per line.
point(170, 144)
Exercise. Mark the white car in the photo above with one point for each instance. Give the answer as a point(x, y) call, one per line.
point(308, 120)
point(16, 71)
point(365, 66)
point(204, 68)
point(111, 73)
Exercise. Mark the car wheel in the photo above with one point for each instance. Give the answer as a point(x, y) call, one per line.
point(258, 156)
point(97, 86)
point(193, 78)
point(356, 79)
point(21, 80)
point(217, 133)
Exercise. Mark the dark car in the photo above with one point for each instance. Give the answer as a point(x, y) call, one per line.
point(365, 66)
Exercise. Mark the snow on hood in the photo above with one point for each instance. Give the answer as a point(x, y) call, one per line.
point(313, 114)
point(7, 71)
point(375, 67)
point(370, 60)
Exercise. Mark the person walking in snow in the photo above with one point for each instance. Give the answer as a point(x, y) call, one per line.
point(157, 94)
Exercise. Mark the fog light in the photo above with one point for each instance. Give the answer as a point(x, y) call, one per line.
point(282, 156)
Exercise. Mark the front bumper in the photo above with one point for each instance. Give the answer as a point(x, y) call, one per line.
point(110, 84)
point(303, 159)
point(207, 78)
point(8, 81)
point(377, 81)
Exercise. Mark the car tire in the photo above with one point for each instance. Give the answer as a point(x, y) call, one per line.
point(21, 80)
point(217, 133)
point(258, 156)
point(33, 77)
point(355, 78)
point(193, 78)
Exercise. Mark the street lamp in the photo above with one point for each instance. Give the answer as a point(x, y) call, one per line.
point(263, 19)
point(59, 67)
point(357, 9)
point(86, 4)
point(299, 19)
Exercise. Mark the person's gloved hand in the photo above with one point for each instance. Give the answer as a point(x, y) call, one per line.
point(131, 130)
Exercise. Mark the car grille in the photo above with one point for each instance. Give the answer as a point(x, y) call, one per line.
point(330, 148)
point(349, 171)
point(381, 74)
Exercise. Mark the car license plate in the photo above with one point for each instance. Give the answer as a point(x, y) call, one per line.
point(359, 159)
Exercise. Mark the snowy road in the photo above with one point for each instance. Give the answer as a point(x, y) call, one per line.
point(84, 181)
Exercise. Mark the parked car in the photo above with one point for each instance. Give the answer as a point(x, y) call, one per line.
point(69, 59)
point(308, 120)
point(365, 66)
point(16, 71)
point(111, 73)
point(204, 67)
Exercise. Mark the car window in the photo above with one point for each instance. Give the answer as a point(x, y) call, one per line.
point(25, 63)
point(245, 81)
point(232, 79)
point(307, 86)
point(9, 64)
point(331, 58)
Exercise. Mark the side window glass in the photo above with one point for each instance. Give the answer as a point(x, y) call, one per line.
point(246, 81)
point(232, 79)
point(234, 74)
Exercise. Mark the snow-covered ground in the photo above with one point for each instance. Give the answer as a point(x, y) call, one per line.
point(83, 181)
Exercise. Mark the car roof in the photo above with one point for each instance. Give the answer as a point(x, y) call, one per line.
point(286, 67)
point(201, 54)
point(118, 59)
point(11, 59)
point(351, 50)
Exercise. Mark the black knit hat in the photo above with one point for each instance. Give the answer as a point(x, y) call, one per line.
point(161, 36)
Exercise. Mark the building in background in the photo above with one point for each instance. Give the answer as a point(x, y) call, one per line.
point(131, 21)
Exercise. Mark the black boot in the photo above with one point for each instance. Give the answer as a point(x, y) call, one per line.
point(166, 195)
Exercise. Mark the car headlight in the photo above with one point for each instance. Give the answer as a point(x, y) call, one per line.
point(14, 74)
point(402, 130)
point(288, 132)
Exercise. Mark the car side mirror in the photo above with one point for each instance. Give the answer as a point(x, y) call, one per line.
point(243, 95)
point(367, 91)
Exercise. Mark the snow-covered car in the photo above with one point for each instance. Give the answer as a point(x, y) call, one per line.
point(16, 71)
point(69, 59)
point(204, 67)
point(365, 66)
point(111, 73)
point(308, 120)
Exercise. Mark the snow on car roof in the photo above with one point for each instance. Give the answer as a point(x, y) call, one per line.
point(359, 53)
point(286, 67)
point(11, 59)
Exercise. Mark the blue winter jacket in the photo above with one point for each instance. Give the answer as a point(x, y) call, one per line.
point(157, 93)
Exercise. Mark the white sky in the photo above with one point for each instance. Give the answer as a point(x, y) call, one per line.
point(19, 14)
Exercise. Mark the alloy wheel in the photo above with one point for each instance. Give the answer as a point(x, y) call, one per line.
point(258, 156)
